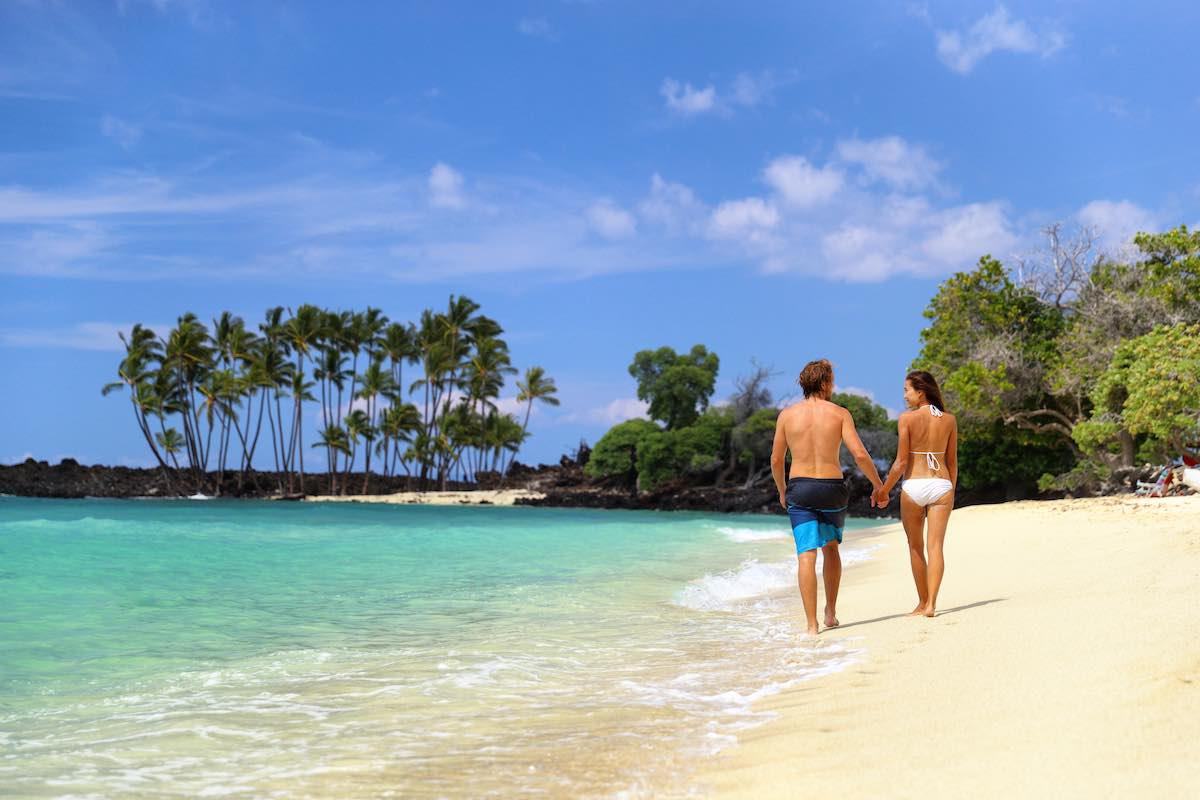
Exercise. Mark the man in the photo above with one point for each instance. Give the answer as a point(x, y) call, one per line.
point(815, 495)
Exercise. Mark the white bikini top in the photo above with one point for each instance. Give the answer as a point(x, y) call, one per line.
point(931, 457)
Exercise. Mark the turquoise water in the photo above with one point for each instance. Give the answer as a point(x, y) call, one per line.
point(240, 648)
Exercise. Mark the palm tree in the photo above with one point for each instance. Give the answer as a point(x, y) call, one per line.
point(171, 443)
point(399, 424)
point(142, 350)
point(333, 439)
point(357, 426)
point(486, 370)
point(376, 381)
point(302, 332)
point(536, 386)
point(215, 389)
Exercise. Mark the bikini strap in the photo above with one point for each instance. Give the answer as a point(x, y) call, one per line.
point(930, 458)
point(934, 410)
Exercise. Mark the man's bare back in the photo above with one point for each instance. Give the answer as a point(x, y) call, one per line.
point(813, 430)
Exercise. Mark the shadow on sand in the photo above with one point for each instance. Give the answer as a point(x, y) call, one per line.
point(939, 613)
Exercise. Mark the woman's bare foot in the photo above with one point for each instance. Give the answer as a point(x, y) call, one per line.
point(831, 620)
point(919, 611)
point(929, 611)
point(812, 631)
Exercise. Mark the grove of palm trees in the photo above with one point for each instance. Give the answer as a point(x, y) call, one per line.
point(208, 401)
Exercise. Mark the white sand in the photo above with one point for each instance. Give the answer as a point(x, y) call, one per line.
point(501, 497)
point(1065, 663)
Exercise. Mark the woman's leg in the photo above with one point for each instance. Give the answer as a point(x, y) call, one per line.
point(913, 518)
point(939, 516)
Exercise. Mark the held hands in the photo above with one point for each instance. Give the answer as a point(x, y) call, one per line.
point(879, 498)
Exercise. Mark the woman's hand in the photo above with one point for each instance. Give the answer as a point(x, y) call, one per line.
point(880, 498)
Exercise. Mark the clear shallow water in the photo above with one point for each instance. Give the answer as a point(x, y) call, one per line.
point(183, 649)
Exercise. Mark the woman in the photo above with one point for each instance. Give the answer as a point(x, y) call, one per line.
point(927, 459)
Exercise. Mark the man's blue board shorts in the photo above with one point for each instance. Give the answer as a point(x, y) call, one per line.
point(817, 510)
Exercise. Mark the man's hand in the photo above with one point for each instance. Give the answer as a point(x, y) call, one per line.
point(879, 498)
point(783, 500)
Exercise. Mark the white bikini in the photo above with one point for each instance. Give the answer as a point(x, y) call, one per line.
point(924, 491)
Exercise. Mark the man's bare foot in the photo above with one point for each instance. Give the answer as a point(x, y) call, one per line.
point(831, 620)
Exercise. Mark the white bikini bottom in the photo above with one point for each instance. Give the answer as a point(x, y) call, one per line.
point(924, 491)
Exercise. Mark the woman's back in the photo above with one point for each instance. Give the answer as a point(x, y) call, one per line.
point(925, 434)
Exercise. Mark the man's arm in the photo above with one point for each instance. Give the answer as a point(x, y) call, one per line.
point(855, 446)
point(778, 454)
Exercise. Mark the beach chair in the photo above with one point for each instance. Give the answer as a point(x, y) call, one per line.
point(1157, 488)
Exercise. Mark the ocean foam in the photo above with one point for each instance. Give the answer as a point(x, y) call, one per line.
point(725, 590)
point(752, 580)
point(752, 534)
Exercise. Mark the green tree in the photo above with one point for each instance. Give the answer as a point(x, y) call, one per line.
point(676, 386)
point(616, 454)
point(867, 414)
point(1173, 261)
point(689, 451)
point(1151, 388)
point(994, 347)
point(751, 443)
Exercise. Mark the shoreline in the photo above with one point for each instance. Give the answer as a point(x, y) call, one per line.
point(1063, 660)
point(478, 497)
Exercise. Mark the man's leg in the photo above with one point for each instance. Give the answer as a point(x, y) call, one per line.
point(913, 518)
point(806, 576)
point(831, 571)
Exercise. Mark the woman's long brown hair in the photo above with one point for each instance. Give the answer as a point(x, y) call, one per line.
point(925, 383)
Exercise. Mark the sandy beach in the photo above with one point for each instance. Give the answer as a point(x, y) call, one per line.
point(493, 497)
point(1064, 663)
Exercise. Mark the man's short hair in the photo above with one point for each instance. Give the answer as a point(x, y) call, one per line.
point(817, 378)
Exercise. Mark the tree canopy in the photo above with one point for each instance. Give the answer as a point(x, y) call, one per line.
point(677, 386)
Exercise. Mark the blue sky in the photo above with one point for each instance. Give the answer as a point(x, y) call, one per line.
point(778, 182)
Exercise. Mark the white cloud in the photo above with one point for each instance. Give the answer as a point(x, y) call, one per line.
point(800, 184)
point(752, 90)
point(688, 100)
point(749, 216)
point(101, 336)
point(618, 410)
point(892, 160)
point(671, 205)
point(860, 214)
point(537, 27)
point(610, 220)
point(445, 186)
point(994, 32)
point(745, 91)
point(1117, 222)
point(861, 251)
point(123, 133)
point(860, 230)
point(964, 233)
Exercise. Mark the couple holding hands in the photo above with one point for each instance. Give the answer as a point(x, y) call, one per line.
point(815, 494)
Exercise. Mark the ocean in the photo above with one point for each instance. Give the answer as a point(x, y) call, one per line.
point(173, 648)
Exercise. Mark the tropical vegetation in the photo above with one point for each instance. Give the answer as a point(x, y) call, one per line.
point(208, 400)
point(689, 439)
point(1075, 364)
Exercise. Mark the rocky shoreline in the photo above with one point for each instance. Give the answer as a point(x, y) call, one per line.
point(560, 485)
